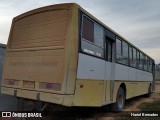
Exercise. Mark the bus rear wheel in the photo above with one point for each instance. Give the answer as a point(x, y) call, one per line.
point(120, 101)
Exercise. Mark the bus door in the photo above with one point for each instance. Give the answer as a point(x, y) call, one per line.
point(109, 66)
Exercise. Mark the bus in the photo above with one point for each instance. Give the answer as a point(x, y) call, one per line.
point(61, 54)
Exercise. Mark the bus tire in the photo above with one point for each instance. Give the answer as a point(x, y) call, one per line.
point(149, 91)
point(120, 101)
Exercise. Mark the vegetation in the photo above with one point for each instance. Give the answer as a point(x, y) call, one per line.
point(155, 106)
point(145, 107)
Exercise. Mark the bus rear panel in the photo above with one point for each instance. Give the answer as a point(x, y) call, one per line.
point(37, 62)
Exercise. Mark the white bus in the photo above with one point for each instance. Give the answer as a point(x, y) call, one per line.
point(62, 54)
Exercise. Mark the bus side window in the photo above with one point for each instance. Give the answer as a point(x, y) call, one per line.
point(92, 38)
point(134, 57)
point(88, 29)
point(125, 52)
point(98, 35)
point(119, 50)
point(122, 52)
point(145, 63)
point(141, 60)
point(131, 62)
point(130, 53)
point(150, 66)
point(138, 60)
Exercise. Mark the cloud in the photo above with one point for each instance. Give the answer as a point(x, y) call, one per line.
point(5, 23)
point(152, 52)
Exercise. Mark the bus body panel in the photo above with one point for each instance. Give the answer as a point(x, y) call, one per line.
point(41, 57)
point(131, 74)
point(90, 68)
point(72, 49)
point(136, 81)
point(133, 89)
point(88, 92)
point(90, 81)
point(35, 66)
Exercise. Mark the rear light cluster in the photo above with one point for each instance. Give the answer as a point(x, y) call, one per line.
point(29, 84)
point(50, 86)
point(11, 82)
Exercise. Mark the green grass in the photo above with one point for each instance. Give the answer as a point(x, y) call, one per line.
point(155, 106)
point(152, 107)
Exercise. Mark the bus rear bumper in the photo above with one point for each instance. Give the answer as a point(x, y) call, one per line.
point(65, 100)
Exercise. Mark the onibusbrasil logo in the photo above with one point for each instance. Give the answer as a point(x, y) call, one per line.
point(24, 114)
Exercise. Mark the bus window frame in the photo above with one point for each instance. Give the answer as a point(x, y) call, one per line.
point(81, 14)
point(104, 48)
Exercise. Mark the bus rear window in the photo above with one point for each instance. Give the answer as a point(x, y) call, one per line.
point(92, 37)
point(88, 29)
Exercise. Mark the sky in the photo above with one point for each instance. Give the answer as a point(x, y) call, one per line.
point(136, 20)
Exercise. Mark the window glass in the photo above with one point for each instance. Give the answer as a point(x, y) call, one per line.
point(148, 64)
point(130, 52)
point(150, 67)
point(119, 56)
point(92, 38)
point(118, 46)
point(137, 56)
point(134, 54)
point(122, 52)
point(125, 49)
point(98, 35)
point(125, 52)
point(91, 49)
point(145, 63)
point(138, 60)
point(88, 29)
point(134, 58)
point(141, 60)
